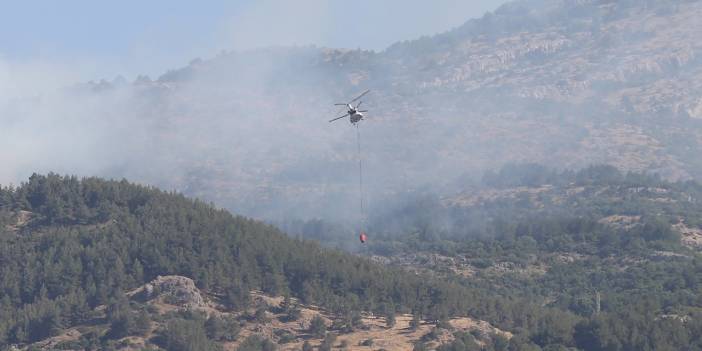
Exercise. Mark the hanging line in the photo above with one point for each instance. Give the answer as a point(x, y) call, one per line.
point(360, 176)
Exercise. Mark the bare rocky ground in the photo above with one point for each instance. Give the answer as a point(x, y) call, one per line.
point(691, 237)
point(167, 294)
point(19, 220)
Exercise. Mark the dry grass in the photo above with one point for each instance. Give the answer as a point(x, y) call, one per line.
point(399, 337)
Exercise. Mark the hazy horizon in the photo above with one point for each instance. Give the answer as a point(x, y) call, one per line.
point(80, 40)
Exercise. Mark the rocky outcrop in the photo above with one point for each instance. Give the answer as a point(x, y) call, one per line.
point(173, 289)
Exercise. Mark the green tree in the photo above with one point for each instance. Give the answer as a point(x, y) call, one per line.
point(328, 342)
point(317, 327)
point(186, 335)
point(215, 327)
point(142, 324)
point(120, 318)
point(306, 346)
point(257, 343)
point(415, 322)
point(390, 320)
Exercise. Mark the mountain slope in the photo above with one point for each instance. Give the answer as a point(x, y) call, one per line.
point(619, 250)
point(157, 307)
point(561, 82)
point(70, 245)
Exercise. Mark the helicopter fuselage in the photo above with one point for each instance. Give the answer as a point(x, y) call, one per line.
point(354, 115)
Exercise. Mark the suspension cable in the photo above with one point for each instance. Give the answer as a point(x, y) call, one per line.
point(360, 176)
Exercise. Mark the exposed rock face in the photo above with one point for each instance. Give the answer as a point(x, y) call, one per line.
point(174, 289)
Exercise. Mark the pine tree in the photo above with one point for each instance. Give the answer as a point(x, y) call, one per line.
point(415, 322)
point(142, 324)
point(390, 320)
point(120, 317)
point(215, 327)
point(306, 346)
point(317, 327)
point(138, 271)
point(186, 335)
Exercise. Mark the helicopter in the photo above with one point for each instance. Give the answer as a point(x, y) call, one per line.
point(355, 115)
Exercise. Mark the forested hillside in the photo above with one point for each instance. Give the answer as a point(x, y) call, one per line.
point(72, 248)
point(69, 245)
point(620, 254)
point(526, 257)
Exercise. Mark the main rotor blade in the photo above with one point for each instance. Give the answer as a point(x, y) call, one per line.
point(359, 104)
point(340, 104)
point(338, 118)
point(360, 96)
point(362, 111)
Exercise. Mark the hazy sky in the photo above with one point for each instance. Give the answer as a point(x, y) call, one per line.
point(99, 39)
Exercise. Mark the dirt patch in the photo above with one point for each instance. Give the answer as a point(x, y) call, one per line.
point(21, 219)
point(691, 237)
point(500, 268)
point(470, 199)
point(50, 343)
point(620, 221)
point(399, 337)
